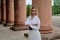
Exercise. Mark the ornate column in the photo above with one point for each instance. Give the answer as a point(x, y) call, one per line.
point(9, 12)
point(45, 13)
point(3, 11)
point(20, 15)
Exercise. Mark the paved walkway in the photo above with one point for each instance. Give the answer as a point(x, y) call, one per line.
point(56, 21)
point(7, 34)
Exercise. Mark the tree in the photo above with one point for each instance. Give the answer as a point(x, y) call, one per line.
point(28, 9)
point(56, 7)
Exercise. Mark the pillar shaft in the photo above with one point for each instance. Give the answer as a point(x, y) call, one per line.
point(45, 14)
point(9, 12)
point(3, 11)
point(20, 14)
point(0, 11)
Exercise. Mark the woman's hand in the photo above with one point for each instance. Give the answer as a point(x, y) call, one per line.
point(34, 24)
point(28, 25)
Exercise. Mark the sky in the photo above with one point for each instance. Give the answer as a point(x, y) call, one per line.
point(52, 2)
point(30, 2)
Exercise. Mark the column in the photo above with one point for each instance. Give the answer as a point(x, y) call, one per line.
point(9, 12)
point(20, 15)
point(3, 11)
point(0, 11)
point(45, 14)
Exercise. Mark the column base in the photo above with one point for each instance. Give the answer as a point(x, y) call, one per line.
point(46, 29)
point(20, 28)
point(3, 22)
point(8, 24)
point(0, 22)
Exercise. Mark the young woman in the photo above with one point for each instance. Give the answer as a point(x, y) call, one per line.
point(33, 22)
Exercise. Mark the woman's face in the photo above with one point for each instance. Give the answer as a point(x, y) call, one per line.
point(33, 12)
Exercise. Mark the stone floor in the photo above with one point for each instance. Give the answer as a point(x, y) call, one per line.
point(7, 34)
point(56, 21)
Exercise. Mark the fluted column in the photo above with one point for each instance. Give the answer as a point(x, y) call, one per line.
point(45, 14)
point(9, 12)
point(3, 11)
point(20, 15)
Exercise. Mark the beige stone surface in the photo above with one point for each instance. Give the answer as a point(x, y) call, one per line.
point(7, 34)
point(56, 21)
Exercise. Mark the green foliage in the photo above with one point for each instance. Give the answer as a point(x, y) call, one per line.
point(28, 7)
point(55, 9)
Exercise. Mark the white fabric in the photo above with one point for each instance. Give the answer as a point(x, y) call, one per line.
point(34, 34)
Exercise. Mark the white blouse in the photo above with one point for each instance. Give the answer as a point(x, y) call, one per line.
point(35, 20)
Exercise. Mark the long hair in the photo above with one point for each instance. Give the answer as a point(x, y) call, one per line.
point(35, 9)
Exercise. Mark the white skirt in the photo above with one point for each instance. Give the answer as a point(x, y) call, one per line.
point(34, 35)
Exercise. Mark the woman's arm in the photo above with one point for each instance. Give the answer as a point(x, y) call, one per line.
point(36, 26)
point(27, 21)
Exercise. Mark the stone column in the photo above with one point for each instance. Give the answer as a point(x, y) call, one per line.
point(20, 15)
point(9, 12)
point(3, 11)
point(45, 14)
point(0, 11)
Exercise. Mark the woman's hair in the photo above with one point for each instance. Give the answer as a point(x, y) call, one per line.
point(35, 10)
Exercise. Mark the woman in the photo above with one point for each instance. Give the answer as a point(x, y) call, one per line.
point(33, 22)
